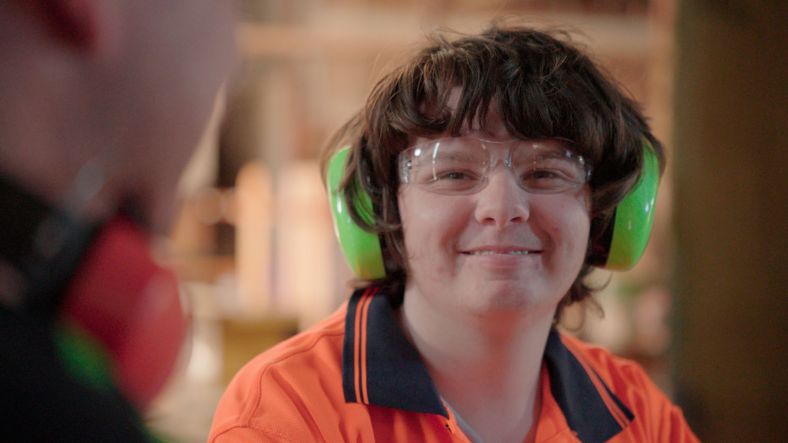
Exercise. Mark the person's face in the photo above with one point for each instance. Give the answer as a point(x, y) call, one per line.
point(498, 249)
point(175, 56)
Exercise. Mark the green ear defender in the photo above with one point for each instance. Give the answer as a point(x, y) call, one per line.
point(623, 243)
point(620, 248)
point(361, 248)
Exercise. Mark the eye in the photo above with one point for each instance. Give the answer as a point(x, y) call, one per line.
point(452, 180)
point(544, 174)
point(455, 176)
point(543, 177)
point(549, 179)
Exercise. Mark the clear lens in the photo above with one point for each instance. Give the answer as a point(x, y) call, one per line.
point(461, 165)
point(449, 166)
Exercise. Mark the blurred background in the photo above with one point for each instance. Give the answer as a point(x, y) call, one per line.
point(254, 244)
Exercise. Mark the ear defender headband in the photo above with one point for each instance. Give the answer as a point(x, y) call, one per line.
point(620, 247)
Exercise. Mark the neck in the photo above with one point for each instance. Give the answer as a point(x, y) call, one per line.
point(486, 367)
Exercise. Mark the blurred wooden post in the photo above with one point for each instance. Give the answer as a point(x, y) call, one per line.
point(305, 245)
point(253, 238)
point(731, 212)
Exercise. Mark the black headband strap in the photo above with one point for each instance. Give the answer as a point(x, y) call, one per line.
point(44, 244)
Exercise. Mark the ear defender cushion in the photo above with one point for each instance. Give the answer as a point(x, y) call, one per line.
point(121, 298)
point(361, 248)
point(626, 240)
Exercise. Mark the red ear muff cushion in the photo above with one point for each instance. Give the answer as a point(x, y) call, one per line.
point(131, 306)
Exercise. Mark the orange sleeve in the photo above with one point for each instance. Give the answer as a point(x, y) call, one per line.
point(657, 419)
point(245, 414)
point(662, 420)
point(679, 429)
point(292, 393)
point(244, 435)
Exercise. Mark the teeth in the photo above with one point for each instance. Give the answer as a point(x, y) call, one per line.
point(517, 252)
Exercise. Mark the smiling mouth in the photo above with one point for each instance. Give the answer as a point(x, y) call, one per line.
point(487, 252)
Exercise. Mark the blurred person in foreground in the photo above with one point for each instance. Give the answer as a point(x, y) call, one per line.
point(101, 105)
point(490, 174)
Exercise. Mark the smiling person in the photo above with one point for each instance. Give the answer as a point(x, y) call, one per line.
point(480, 184)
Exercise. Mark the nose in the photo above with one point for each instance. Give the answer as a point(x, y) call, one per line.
point(502, 202)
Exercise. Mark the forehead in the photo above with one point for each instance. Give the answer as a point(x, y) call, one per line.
point(492, 127)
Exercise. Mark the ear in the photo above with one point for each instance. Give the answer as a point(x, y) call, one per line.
point(74, 22)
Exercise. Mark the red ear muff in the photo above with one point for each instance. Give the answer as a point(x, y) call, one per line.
point(131, 306)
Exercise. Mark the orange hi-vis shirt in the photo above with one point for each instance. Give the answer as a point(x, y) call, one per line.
point(354, 377)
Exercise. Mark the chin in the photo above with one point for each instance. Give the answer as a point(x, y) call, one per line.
point(512, 301)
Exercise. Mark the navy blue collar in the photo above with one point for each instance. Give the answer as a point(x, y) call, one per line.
point(381, 367)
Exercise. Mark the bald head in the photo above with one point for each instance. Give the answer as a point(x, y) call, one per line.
point(125, 84)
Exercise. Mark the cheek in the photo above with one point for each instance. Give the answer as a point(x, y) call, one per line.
point(430, 228)
point(415, 227)
point(583, 217)
point(567, 222)
point(410, 223)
